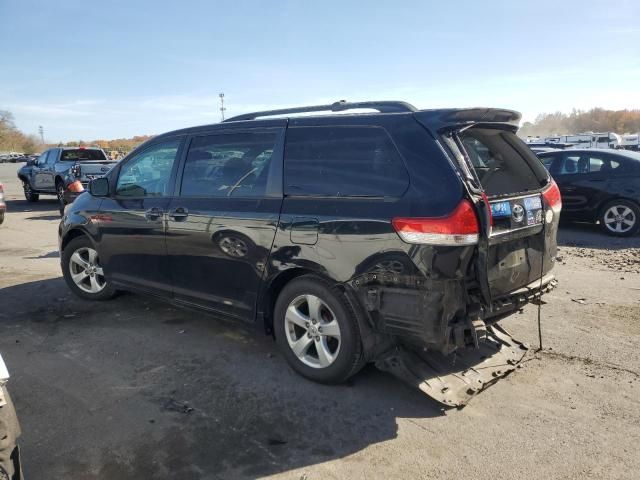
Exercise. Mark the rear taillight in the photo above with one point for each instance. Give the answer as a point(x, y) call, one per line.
point(76, 187)
point(460, 227)
point(552, 196)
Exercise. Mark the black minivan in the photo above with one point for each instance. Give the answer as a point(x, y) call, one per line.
point(343, 235)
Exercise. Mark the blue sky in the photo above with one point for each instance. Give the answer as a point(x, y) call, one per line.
point(87, 69)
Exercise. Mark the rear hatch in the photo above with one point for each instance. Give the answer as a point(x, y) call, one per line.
point(520, 244)
point(518, 204)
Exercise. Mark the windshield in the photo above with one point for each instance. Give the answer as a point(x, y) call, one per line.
point(83, 154)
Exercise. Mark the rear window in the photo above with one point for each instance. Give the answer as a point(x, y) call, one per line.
point(82, 154)
point(343, 161)
point(503, 163)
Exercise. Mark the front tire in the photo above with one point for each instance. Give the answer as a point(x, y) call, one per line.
point(60, 195)
point(83, 272)
point(317, 331)
point(29, 193)
point(620, 218)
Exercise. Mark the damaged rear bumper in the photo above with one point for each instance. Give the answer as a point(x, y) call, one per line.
point(443, 340)
point(440, 315)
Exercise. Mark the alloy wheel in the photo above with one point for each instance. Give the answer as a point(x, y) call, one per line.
point(312, 331)
point(86, 271)
point(619, 219)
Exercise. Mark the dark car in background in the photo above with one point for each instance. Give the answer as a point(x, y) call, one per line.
point(598, 185)
point(57, 168)
point(342, 235)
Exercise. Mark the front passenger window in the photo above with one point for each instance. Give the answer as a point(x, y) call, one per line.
point(42, 159)
point(148, 173)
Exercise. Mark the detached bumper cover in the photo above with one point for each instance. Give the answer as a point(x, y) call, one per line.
point(455, 378)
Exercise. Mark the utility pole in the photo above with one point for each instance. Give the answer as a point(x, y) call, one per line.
point(222, 108)
point(41, 132)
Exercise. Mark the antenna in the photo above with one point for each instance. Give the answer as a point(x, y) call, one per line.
point(222, 107)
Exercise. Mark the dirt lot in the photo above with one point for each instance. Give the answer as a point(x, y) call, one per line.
point(134, 389)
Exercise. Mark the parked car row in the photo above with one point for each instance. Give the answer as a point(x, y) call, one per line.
point(16, 158)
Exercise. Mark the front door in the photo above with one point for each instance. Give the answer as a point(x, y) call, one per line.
point(38, 172)
point(222, 225)
point(132, 219)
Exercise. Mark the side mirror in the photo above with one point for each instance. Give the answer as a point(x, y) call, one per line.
point(99, 187)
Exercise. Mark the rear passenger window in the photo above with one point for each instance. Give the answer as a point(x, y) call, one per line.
point(226, 165)
point(570, 164)
point(343, 162)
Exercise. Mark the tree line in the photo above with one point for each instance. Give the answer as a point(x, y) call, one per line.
point(594, 120)
point(12, 139)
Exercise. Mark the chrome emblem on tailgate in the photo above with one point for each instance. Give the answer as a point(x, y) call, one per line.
point(517, 212)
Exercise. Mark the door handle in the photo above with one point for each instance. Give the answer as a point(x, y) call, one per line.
point(153, 213)
point(179, 214)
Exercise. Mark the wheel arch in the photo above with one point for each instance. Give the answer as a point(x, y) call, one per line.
point(72, 234)
point(275, 286)
point(601, 208)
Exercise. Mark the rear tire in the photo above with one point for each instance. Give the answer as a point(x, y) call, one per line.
point(83, 272)
point(620, 218)
point(29, 193)
point(317, 331)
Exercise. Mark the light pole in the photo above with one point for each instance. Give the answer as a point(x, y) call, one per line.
point(41, 132)
point(222, 108)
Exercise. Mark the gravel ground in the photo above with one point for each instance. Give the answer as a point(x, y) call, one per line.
point(134, 388)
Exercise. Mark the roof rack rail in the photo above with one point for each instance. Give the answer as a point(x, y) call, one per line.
point(341, 106)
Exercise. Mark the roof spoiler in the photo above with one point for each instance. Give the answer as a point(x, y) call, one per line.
point(450, 119)
point(341, 106)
